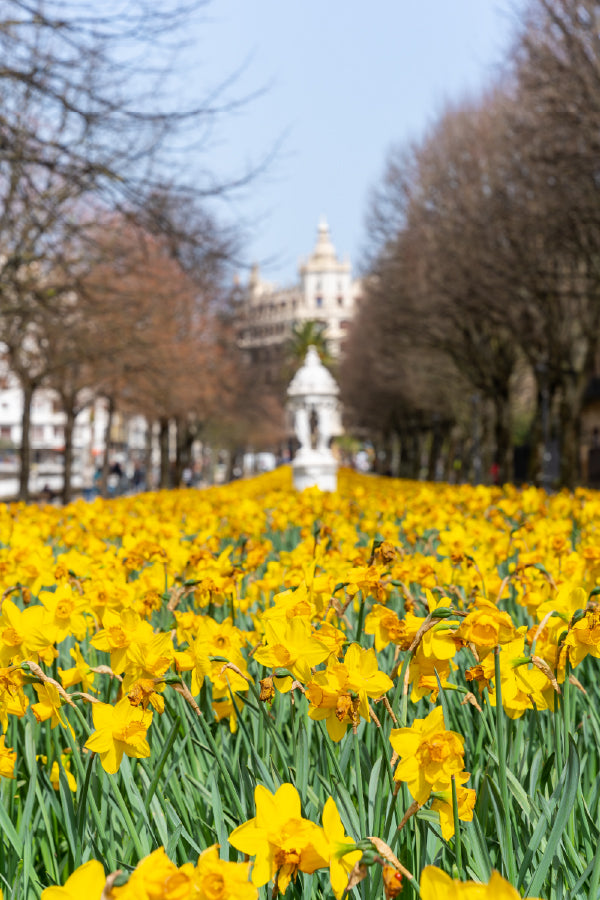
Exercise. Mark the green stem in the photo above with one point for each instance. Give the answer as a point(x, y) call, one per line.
point(594, 890)
point(556, 728)
point(234, 792)
point(362, 816)
point(127, 817)
point(82, 720)
point(404, 701)
point(414, 885)
point(457, 837)
point(385, 748)
point(566, 705)
point(160, 764)
point(361, 617)
point(510, 863)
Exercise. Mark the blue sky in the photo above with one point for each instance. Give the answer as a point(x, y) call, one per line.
point(341, 81)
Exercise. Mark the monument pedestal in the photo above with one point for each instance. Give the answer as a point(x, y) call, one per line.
point(315, 468)
point(314, 404)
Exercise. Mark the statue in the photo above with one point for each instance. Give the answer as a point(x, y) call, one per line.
point(313, 402)
point(302, 428)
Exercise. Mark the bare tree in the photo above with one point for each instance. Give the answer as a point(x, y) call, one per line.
point(499, 205)
point(102, 95)
point(434, 275)
point(555, 126)
point(90, 123)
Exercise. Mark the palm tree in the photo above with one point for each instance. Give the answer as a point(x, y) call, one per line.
point(304, 335)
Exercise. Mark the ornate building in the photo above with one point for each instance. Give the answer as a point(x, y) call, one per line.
point(326, 294)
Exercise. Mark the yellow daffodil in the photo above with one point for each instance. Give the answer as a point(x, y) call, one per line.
point(340, 695)
point(217, 879)
point(523, 685)
point(486, 626)
point(120, 729)
point(8, 758)
point(442, 804)
point(341, 856)
point(80, 673)
point(429, 755)
point(87, 881)
point(584, 637)
point(150, 659)
point(436, 885)
point(290, 604)
point(282, 842)
point(423, 674)
point(367, 579)
point(156, 876)
point(13, 700)
point(385, 625)
point(291, 645)
point(48, 706)
point(569, 598)
point(119, 632)
point(65, 613)
point(22, 634)
point(54, 775)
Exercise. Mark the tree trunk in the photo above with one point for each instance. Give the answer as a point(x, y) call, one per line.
point(106, 461)
point(415, 441)
point(570, 432)
point(409, 453)
point(28, 389)
point(68, 453)
point(450, 453)
point(570, 408)
point(435, 449)
point(179, 463)
point(380, 455)
point(148, 461)
point(163, 442)
point(394, 454)
point(503, 457)
point(232, 458)
point(536, 442)
point(185, 440)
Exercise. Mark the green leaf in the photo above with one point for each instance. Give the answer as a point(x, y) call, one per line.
point(477, 845)
point(570, 780)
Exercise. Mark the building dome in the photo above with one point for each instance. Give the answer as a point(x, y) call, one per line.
point(312, 378)
point(324, 251)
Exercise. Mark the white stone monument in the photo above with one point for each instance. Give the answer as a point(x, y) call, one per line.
point(313, 402)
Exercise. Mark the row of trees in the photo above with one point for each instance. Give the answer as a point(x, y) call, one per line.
point(113, 265)
point(149, 332)
point(482, 286)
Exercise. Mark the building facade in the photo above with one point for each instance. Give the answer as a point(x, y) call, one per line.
point(326, 293)
point(47, 437)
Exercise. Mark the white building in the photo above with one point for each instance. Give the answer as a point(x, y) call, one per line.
point(326, 293)
point(128, 437)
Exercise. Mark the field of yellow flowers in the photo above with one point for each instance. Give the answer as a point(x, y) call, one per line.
point(229, 694)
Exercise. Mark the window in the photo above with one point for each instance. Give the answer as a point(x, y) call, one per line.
point(319, 302)
point(340, 300)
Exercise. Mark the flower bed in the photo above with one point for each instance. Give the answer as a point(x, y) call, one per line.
point(392, 687)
